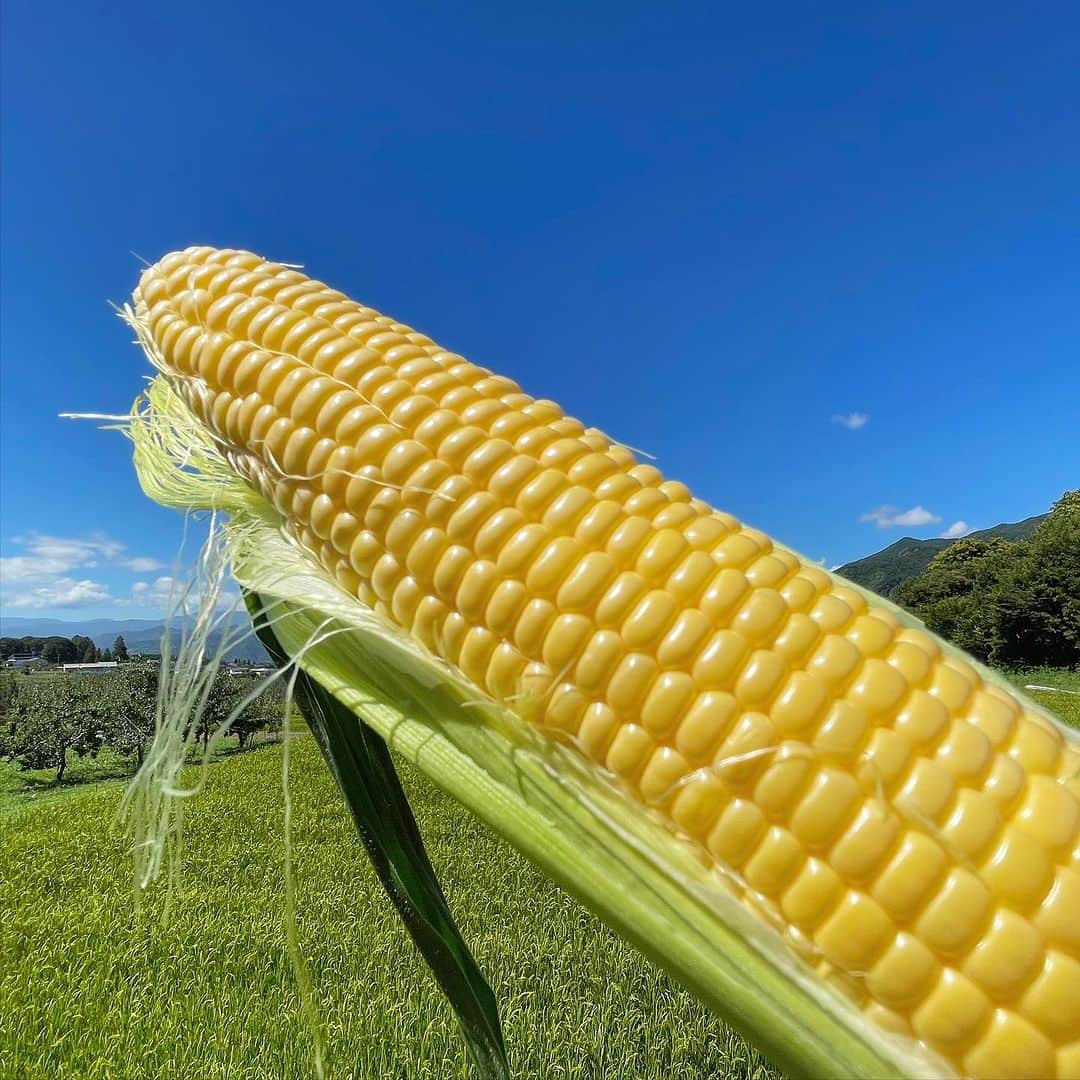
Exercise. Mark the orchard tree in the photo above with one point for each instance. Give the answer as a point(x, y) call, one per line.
point(131, 695)
point(47, 719)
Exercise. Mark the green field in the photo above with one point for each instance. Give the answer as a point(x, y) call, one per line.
point(89, 988)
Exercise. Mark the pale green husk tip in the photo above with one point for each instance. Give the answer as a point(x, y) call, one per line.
point(543, 798)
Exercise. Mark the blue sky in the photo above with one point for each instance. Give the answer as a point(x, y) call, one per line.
point(821, 260)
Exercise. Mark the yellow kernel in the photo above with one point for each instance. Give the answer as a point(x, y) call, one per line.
point(812, 894)
point(783, 781)
point(834, 660)
point(800, 703)
point(667, 700)
point(586, 582)
point(1018, 870)
point(926, 791)
point(598, 660)
point(1056, 917)
point(797, 637)
point(775, 862)
point(630, 682)
point(682, 641)
point(567, 509)
point(469, 516)
point(552, 565)
point(475, 589)
point(511, 475)
point(496, 531)
point(966, 751)
point(629, 751)
point(831, 613)
point(747, 750)
point(649, 619)
point(619, 598)
point(520, 549)
point(627, 539)
point(733, 837)
point(1005, 780)
point(660, 554)
point(503, 672)
point(406, 599)
point(541, 490)
point(767, 571)
point(1011, 1047)
point(911, 874)
point(903, 972)
point(761, 615)
point(871, 635)
point(973, 823)
point(662, 774)
point(594, 528)
point(706, 723)
point(737, 551)
point(826, 808)
point(1007, 957)
point(724, 593)
point(364, 553)
point(705, 533)
point(866, 843)
point(385, 576)
point(565, 641)
point(598, 727)
point(1050, 812)
point(856, 933)
point(842, 732)
point(952, 1014)
point(698, 802)
point(719, 662)
point(1036, 745)
point(878, 688)
point(532, 626)
point(690, 577)
point(954, 917)
point(888, 754)
point(476, 652)
point(1051, 1001)
point(760, 679)
point(565, 708)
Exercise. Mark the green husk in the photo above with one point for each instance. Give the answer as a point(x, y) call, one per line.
point(561, 812)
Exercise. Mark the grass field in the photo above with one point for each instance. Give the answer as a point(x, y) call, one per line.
point(91, 989)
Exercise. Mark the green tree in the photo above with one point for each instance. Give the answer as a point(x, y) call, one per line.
point(1015, 604)
point(106, 655)
point(119, 648)
point(85, 650)
point(1036, 600)
point(131, 695)
point(48, 719)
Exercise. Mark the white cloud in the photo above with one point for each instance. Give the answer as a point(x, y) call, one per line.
point(957, 528)
point(49, 557)
point(164, 592)
point(889, 517)
point(852, 420)
point(142, 565)
point(64, 592)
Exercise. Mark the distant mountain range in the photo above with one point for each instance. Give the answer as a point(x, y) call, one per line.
point(140, 635)
point(885, 570)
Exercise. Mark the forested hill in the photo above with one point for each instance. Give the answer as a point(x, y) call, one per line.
point(886, 570)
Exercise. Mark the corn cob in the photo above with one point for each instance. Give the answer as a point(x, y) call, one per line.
point(911, 829)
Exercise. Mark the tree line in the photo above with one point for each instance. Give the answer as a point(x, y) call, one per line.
point(61, 650)
point(44, 721)
point(1014, 604)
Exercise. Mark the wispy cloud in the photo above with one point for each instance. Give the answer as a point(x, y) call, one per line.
point(852, 420)
point(957, 528)
point(890, 517)
point(50, 557)
point(164, 592)
point(64, 592)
